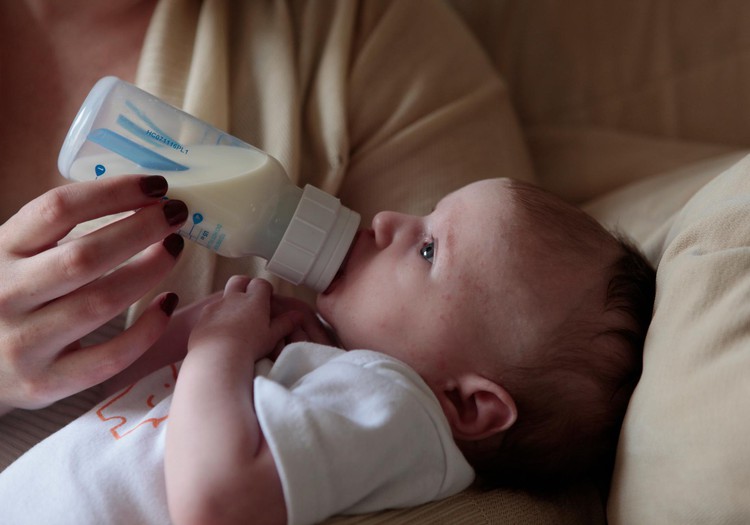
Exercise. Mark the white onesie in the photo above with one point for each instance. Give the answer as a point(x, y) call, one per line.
point(351, 432)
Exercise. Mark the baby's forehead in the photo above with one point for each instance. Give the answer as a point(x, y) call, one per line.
point(501, 223)
point(541, 249)
point(504, 198)
point(561, 225)
point(530, 267)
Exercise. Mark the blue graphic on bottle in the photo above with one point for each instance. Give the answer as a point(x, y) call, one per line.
point(99, 170)
point(203, 232)
point(138, 144)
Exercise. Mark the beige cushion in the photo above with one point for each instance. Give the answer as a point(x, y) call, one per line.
point(661, 67)
point(645, 210)
point(574, 506)
point(684, 453)
point(581, 163)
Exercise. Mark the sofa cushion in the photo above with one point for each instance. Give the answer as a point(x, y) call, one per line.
point(684, 454)
point(646, 210)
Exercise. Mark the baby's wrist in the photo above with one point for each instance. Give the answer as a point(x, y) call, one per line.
point(220, 356)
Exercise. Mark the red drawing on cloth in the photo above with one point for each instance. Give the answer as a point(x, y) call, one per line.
point(125, 410)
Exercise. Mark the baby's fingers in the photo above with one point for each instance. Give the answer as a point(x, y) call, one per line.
point(311, 328)
point(285, 325)
point(236, 284)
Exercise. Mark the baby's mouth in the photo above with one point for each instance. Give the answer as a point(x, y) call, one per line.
point(342, 269)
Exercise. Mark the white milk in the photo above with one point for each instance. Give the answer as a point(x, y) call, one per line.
point(239, 199)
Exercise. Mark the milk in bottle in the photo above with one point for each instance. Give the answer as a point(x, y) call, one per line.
point(239, 198)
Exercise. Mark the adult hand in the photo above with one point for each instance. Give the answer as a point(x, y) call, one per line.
point(53, 293)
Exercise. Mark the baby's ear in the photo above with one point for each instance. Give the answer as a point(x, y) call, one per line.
point(477, 408)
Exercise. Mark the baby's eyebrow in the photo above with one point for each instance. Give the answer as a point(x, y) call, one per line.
point(445, 240)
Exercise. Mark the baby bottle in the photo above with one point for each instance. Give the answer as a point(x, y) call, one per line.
point(241, 201)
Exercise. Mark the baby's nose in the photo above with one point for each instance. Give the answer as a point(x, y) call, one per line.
point(384, 225)
point(388, 224)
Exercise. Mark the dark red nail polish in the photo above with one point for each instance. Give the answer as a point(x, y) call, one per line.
point(176, 212)
point(154, 186)
point(174, 244)
point(169, 303)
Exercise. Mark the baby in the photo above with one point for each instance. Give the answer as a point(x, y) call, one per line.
point(501, 334)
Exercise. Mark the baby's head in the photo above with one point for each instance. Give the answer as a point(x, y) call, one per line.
point(524, 316)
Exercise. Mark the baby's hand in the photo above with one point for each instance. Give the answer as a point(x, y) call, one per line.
point(241, 322)
point(310, 327)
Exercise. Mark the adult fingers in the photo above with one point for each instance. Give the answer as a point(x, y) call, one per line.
point(65, 268)
point(84, 310)
point(48, 218)
point(91, 365)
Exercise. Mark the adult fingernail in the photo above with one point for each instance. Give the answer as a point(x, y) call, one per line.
point(169, 303)
point(174, 244)
point(176, 212)
point(154, 186)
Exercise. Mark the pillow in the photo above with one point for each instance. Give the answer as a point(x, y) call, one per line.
point(645, 210)
point(684, 452)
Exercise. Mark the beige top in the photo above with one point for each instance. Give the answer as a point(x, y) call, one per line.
point(354, 98)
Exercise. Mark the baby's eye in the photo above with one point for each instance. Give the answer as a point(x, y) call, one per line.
point(428, 251)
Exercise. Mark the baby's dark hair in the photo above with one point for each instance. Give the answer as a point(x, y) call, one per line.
point(572, 397)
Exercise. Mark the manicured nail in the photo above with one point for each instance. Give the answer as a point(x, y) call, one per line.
point(174, 244)
point(169, 303)
point(154, 186)
point(176, 212)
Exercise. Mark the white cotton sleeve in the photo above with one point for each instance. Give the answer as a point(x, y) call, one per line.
point(354, 432)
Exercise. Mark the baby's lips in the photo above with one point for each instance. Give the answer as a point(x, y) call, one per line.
point(342, 269)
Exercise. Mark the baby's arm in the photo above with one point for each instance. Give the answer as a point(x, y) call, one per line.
point(219, 468)
point(172, 345)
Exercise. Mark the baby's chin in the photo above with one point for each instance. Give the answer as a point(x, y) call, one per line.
point(327, 314)
point(323, 305)
point(340, 276)
point(326, 300)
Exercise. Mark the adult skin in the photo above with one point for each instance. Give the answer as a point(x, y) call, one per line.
point(52, 292)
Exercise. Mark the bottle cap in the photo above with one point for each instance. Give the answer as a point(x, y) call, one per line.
point(316, 240)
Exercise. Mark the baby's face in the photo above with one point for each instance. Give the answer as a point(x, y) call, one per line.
point(423, 289)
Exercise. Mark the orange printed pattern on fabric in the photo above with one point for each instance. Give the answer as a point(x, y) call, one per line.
point(125, 410)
